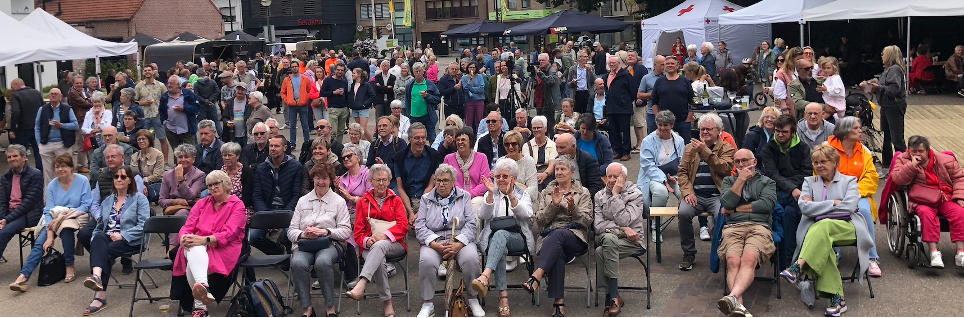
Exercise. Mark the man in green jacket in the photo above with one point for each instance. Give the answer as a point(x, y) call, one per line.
point(747, 200)
point(805, 89)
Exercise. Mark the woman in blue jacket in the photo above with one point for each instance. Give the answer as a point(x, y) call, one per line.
point(361, 97)
point(474, 85)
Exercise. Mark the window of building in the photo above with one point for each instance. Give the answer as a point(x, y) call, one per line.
point(619, 5)
point(310, 7)
point(525, 3)
point(512, 4)
point(287, 8)
point(381, 11)
point(447, 9)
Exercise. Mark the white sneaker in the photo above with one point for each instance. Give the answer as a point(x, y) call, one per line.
point(476, 308)
point(937, 262)
point(653, 235)
point(316, 285)
point(390, 269)
point(428, 310)
point(704, 233)
point(959, 259)
point(510, 265)
point(442, 270)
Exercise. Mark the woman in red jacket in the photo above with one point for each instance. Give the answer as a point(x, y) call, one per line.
point(379, 204)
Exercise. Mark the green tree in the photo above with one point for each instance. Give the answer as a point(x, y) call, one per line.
point(581, 5)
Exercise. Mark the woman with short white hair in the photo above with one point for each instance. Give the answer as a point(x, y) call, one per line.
point(94, 123)
point(403, 121)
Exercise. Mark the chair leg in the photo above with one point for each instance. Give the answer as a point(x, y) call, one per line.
point(869, 285)
point(134, 295)
point(408, 293)
point(588, 284)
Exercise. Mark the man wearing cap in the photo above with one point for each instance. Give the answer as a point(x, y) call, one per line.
point(208, 96)
point(227, 88)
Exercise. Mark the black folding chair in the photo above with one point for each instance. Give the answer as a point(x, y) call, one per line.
point(638, 256)
point(398, 265)
point(268, 220)
point(164, 224)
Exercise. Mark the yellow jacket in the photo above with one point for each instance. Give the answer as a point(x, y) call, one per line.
point(860, 165)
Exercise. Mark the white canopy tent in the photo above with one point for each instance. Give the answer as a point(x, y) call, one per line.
point(88, 46)
point(23, 44)
point(698, 21)
point(773, 11)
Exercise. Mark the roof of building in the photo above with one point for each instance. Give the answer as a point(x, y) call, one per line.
point(79, 11)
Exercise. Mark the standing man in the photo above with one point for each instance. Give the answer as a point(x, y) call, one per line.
point(724, 60)
point(546, 89)
point(25, 102)
point(786, 160)
point(334, 88)
point(709, 61)
point(295, 93)
point(705, 163)
point(421, 100)
point(645, 95)
point(255, 153)
point(450, 86)
point(599, 58)
point(79, 100)
point(619, 220)
point(208, 96)
point(637, 71)
point(208, 151)
point(178, 111)
point(358, 62)
point(56, 129)
point(148, 94)
point(384, 93)
point(272, 88)
point(619, 108)
point(580, 77)
point(673, 92)
point(414, 167)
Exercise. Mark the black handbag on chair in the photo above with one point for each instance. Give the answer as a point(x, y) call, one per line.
point(507, 223)
point(53, 268)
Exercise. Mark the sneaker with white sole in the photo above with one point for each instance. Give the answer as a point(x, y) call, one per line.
point(475, 308)
point(704, 233)
point(837, 306)
point(936, 260)
point(428, 310)
point(390, 269)
point(874, 269)
point(959, 259)
point(316, 285)
point(510, 265)
point(442, 270)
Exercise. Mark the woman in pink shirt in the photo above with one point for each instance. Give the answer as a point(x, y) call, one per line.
point(211, 241)
point(472, 167)
point(432, 70)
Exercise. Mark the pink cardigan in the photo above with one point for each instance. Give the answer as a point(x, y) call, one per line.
point(478, 170)
point(227, 226)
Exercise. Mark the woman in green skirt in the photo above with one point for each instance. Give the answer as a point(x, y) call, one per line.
point(828, 203)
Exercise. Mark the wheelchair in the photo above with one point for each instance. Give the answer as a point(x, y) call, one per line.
point(904, 229)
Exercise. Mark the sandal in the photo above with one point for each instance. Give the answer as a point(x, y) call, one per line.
point(635, 150)
point(529, 287)
point(68, 278)
point(504, 311)
point(91, 310)
point(93, 282)
point(558, 310)
point(482, 287)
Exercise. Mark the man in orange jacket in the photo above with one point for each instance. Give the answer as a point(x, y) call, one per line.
point(295, 95)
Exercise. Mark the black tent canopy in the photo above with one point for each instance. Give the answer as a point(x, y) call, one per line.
point(239, 36)
point(568, 21)
point(476, 29)
point(187, 37)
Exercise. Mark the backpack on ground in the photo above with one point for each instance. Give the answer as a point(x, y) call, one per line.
point(259, 299)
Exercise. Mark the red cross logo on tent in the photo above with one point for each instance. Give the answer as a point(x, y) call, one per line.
point(707, 21)
point(726, 8)
point(684, 11)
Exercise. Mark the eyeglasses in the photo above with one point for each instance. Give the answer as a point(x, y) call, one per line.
point(502, 176)
point(807, 53)
point(707, 129)
point(742, 161)
point(821, 162)
point(492, 121)
point(320, 127)
point(349, 156)
point(781, 60)
point(214, 185)
point(260, 133)
point(443, 181)
point(808, 68)
point(511, 144)
point(770, 117)
point(381, 180)
point(120, 177)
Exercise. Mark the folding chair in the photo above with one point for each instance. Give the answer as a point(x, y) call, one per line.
point(267, 220)
point(776, 227)
point(26, 238)
point(164, 224)
point(585, 258)
point(649, 287)
point(398, 262)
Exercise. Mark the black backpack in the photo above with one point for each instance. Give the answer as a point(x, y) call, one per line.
point(258, 299)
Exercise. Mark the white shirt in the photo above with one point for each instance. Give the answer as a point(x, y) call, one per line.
point(780, 88)
point(403, 124)
point(89, 125)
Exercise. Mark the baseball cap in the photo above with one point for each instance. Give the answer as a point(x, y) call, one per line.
point(226, 74)
point(596, 44)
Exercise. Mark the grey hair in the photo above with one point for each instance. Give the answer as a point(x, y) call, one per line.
point(384, 62)
point(544, 54)
point(129, 92)
point(540, 119)
point(665, 117)
point(959, 47)
point(418, 66)
point(572, 102)
point(183, 149)
point(19, 149)
point(354, 149)
point(395, 102)
point(507, 164)
point(218, 176)
point(844, 127)
point(494, 112)
point(260, 96)
point(446, 168)
point(711, 116)
point(271, 120)
point(118, 148)
point(621, 167)
point(521, 110)
point(691, 47)
point(709, 46)
point(506, 56)
point(568, 161)
point(99, 96)
point(209, 124)
point(356, 127)
point(94, 79)
point(231, 147)
point(259, 125)
point(375, 169)
point(416, 126)
point(918, 141)
point(458, 120)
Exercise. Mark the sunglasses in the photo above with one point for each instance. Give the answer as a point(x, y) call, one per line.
point(349, 156)
point(320, 127)
point(781, 60)
point(511, 144)
point(808, 68)
point(260, 133)
point(492, 121)
point(120, 177)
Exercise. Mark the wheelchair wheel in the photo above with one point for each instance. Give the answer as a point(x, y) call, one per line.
point(913, 256)
point(896, 236)
point(760, 99)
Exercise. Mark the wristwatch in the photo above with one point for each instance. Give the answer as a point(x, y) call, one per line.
point(207, 240)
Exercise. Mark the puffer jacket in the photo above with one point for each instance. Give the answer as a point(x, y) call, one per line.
point(720, 160)
point(429, 222)
point(624, 210)
point(32, 196)
point(559, 217)
point(288, 179)
point(756, 140)
point(522, 212)
point(948, 171)
point(861, 166)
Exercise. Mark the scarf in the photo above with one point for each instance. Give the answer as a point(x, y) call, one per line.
point(464, 166)
point(931, 175)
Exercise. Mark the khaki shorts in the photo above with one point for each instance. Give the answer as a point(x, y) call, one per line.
point(747, 238)
point(639, 116)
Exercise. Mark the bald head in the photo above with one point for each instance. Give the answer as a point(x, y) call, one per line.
point(566, 144)
point(17, 84)
point(658, 64)
point(744, 158)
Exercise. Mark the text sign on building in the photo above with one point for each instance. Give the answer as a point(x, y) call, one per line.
point(522, 15)
point(306, 22)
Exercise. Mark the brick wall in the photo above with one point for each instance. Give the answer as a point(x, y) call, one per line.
point(164, 19)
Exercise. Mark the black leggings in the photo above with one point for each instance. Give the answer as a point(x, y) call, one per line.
point(558, 248)
point(892, 125)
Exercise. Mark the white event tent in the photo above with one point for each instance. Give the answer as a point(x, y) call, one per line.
point(773, 11)
point(697, 21)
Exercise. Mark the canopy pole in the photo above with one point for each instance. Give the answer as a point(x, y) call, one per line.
point(40, 76)
point(97, 70)
point(137, 60)
point(801, 36)
point(907, 74)
point(809, 34)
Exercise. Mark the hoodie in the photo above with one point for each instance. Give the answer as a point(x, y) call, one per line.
point(787, 167)
point(814, 138)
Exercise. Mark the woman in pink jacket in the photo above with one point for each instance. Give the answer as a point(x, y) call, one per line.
point(472, 166)
point(921, 166)
point(211, 241)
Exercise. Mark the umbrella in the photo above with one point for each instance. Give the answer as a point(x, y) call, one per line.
point(476, 29)
point(450, 271)
point(239, 37)
point(568, 21)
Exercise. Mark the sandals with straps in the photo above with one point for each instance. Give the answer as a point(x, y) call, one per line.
point(91, 310)
point(558, 310)
point(529, 287)
point(504, 311)
point(481, 286)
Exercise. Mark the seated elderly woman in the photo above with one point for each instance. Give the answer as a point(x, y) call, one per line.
point(68, 190)
point(444, 211)
point(119, 232)
point(499, 243)
point(210, 247)
point(563, 220)
point(514, 142)
point(355, 132)
point(320, 153)
point(857, 161)
point(659, 157)
point(830, 218)
point(940, 176)
point(181, 186)
point(319, 231)
point(149, 163)
point(472, 166)
point(542, 149)
point(381, 225)
point(761, 133)
point(242, 177)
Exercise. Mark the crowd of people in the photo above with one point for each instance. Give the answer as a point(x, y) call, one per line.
point(492, 182)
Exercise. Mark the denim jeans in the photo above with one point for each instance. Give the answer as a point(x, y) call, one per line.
point(259, 239)
point(67, 238)
point(650, 123)
point(10, 230)
point(864, 206)
point(791, 219)
point(500, 245)
point(153, 192)
point(305, 114)
point(210, 112)
point(430, 121)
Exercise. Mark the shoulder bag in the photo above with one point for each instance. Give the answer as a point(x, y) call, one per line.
point(378, 226)
point(927, 195)
point(507, 223)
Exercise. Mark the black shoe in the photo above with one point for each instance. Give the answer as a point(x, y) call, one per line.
point(128, 266)
point(687, 263)
point(961, 92)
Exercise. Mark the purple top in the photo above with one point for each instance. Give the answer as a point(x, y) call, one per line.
point(176, 121)
point(356, 185)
